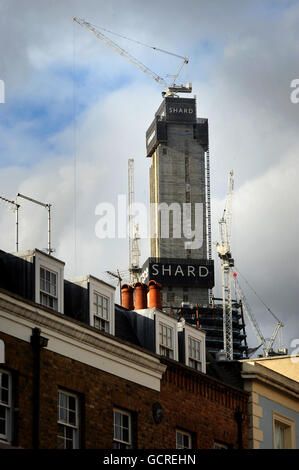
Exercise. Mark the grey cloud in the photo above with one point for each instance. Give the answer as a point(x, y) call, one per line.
point(243, 90)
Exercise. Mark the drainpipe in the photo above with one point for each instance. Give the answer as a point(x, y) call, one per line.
point(238, 418)
point(37, 343)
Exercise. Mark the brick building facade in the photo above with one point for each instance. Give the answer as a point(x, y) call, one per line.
point(204, 408)
point(66, 383)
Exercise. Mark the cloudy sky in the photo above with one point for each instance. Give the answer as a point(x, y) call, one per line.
point(75, 111)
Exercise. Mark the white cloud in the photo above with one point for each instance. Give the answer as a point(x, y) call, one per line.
point(265, 244)
point(241, 76)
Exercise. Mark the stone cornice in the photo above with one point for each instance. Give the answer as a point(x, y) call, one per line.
point(271, 378)
point(65, 326)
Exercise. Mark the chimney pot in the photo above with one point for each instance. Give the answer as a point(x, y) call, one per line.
point(127, 296)
point(155, 300)
point(140, 295)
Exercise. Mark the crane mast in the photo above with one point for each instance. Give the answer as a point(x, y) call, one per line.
point(227, 262)
point(134, 252)
point(171, 89)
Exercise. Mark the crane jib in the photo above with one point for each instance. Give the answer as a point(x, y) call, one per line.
point(170, 89)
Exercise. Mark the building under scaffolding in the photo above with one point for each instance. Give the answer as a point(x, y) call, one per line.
point(177, 142)
point(210, 319)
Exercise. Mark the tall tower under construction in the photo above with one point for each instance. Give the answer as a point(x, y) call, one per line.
point(177, 144)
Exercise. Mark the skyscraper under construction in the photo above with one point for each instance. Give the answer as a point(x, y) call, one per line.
point(177, 142)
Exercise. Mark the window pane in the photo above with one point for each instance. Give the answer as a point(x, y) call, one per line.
point(63, 414)
point(4, 380)
point(48, 285)
point(5, 410)
point(122, 425)
point(72, 403)
point(67, 435)
point(125, 435)
point(117, 432)
point(280, 436)
point(62, 400)
point(186, 442)
point(183, 440)
point(72, 418)
point(4, 396)
point(125, 422)
point(3, 420)
point(117, 418)
point(101, 307)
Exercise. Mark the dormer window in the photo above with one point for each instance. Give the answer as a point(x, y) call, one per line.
point(166, 341)
point(45, 279)
point(48, 288)
point(101, 312)
point(101, 303)
point(194, 347)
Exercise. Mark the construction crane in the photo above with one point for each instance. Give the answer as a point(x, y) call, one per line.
point(134, 252)
point(227, 263)
point(265, 343)
point(171, 89)
point(224, 253)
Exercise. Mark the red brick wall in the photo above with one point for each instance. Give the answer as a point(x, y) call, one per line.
point(198, 404)
point(99, 393)
point(190, 401)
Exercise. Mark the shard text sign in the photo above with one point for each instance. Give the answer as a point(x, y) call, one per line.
point(179, 272)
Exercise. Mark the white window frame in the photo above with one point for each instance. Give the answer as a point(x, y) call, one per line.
point(101, 318)
point(7, 436)
point(120, 443)
point(197, 334)
point(289, 426)
point(44, 292)
point(74, 427)
point(165, 346)
point(55, 266)
point(96, 286)
point(184, 434)
point(170, 323)
point(195, 360)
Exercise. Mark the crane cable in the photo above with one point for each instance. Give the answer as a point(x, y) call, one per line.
point(75, 173)
point(258, 296)
point(139, 42)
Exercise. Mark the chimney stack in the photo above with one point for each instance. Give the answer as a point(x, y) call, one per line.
point(140, 295)
point(155, 300)
point(127, 296)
